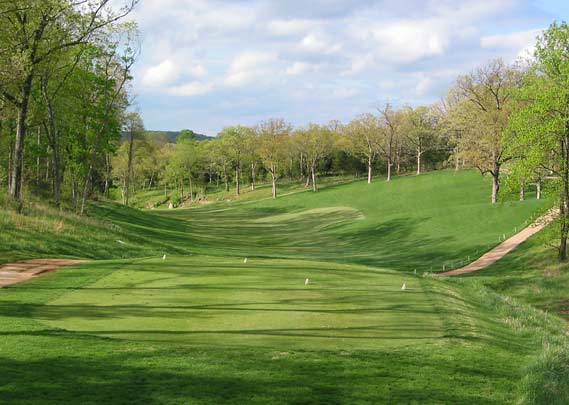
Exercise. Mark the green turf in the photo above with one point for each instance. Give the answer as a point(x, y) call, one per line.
point(75, 336)
point(422, 223)
point(262, 303)
point(202, 326)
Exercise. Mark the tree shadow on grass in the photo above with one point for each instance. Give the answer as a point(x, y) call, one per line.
point(120, 373)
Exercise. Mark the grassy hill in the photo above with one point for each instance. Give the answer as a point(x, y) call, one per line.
point(204, 326)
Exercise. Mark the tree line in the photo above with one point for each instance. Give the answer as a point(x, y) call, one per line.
point(67, 131)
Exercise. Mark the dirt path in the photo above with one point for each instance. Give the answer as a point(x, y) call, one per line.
point(503, 248)
point(16, 272)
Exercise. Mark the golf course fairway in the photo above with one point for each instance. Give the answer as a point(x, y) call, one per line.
point(313, 298)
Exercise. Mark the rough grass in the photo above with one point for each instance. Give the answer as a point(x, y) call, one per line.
point(532, 275)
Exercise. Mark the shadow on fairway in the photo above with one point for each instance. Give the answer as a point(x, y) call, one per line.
point(244, 377)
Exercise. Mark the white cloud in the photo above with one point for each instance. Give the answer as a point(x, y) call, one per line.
point(361, 50)
point(289, 27)
point(191, 89)
point(163, 74)
point(515, 40)
point(299, 68)
point(249, 67)
point(197, 71)
point(344, 92)
point(318, 44)
point(408, 41)
point(423, 86)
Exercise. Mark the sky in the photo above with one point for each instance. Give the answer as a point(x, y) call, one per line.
point(207, 64)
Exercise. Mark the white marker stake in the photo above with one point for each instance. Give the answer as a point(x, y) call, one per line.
point(306, 281)
point(245, 260)
point(164, 257)
point(404, 287)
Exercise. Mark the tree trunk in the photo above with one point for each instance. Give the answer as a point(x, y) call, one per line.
point(274, 181)
point(129, 167)
point(86, 190)
point(107, 174)
point(38, 162)
point(398, 164)
point(226, 178)
point(313, 172)
point(253, 175)
point(495, 188)
point(419, 154)
point(389, 166)
point(564, 204)
point(237, 189)
point(369, 170)
point(495, 182)
point(456, 160)
point(53, 138)
point(16, 177)
point(307, 183)
point(522, 191)
point(563, 244)
point(538, 188)
point(191, 190)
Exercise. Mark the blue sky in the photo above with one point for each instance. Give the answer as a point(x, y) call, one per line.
point(206, 64)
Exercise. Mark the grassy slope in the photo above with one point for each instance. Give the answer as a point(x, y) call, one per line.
point(532, 274)
point(411, 223)
point(207, 328)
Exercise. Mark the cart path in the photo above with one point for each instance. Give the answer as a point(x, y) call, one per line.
point(505, 247)
point(17, 272)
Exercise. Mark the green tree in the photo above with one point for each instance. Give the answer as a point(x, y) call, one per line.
point(539, 128)
point(186, 135)
point(315, 143)
point(420, 131)
point(488, 91)
point(234, 140)
point(32, 33)
point(273, 140)
point(364, 136)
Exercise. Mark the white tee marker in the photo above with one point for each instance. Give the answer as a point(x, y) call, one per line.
point(307, 281)
point(245, 261)
point(404, 287)
point(164, 257)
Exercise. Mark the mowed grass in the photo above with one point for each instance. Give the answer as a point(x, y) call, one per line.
point(424, 223)
point(203, 326)
point(137, 331)
point(264, 303)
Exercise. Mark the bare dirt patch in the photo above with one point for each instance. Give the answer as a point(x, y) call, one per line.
point(17, 272)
